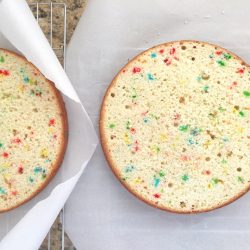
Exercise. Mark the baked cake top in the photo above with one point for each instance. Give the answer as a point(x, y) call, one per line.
point(33, 127)
point(175, 126)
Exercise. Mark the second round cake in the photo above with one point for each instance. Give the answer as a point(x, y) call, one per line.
point(175, 126)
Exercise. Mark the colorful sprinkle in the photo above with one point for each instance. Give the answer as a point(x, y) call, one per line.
point(129, 169)
point(246, 93)
point(4, 72)
point(184, 128)
point(2, 191)
point(221, 63)
point(185, 177)
point(1, 59)
point(153, 55)
point(136, 70)
point(150, 77)
point(240, 179)
point(112, 125)
point(227, 56)
point(242, 114)
point(156, 182)
point(240, 70)
point(157, 196)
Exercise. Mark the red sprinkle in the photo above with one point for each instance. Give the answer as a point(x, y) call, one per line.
point(4, 72)
point(172, 51)
point(20, 170)
point(144, 113)
point(240, 70)
point(136, 70)
point(218, 53)
point(14, 193)
point(167, 61)
point(52, 122)
point(207, 172)
point(5, 155)
point(132, 130)
point(161, 51)
point(184, 158)
point(234, 84)
point(177, 116)
point(157, 196)
point(17, 141)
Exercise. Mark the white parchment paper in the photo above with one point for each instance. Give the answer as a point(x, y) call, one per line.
point(100, 213)
point(26, 226)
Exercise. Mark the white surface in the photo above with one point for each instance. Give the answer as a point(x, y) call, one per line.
point(26, 227)
point(100, 213)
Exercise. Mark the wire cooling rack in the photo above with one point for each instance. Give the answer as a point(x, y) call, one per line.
point(52, 18)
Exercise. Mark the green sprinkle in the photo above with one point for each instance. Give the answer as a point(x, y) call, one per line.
point(215, 181)
point(246, 93)
point(2, 191)
point(185, 177)
point(150, 77)
point(222, 109)
point(223, 161)
point(111, 125)
point(31, 180)
point(242, 114)
point(211, 56)
point(128, 125)
point(221, 63)
point(184, 128)
point(1, 59)
point(227, 56)
point(44, 175)
point(241, 179)
point(161, 174)
point(205, 88)
point(1, 145)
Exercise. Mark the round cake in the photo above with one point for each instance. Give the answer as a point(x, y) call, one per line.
point(33, 130)
point(175, 128)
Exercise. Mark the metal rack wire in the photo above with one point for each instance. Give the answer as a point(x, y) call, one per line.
point(48, 10)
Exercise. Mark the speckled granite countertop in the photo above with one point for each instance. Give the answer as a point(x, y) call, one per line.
point(74, 11)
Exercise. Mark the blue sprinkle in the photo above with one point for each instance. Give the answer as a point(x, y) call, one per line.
point(26, 79)
point(150, 76)
point(191, 141)
point(156, 182)
point(153, 55)
point(129, 168)
point(146, 120)
point(2, 191)
point(38, 170)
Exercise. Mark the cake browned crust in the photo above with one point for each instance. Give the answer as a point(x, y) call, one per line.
point(33, 130)
point(174, 126)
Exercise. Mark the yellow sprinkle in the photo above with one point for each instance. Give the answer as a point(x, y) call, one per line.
point(138, 180)
point(44, 153)
point(234, 110)
point(207, 143)
point(26, 147)
point(6, 164)
point(126, 139)
point(182, 82)
point(240, 130)
point(163, 137)
point(51, 130)
point(209, 185)
point(21, 87)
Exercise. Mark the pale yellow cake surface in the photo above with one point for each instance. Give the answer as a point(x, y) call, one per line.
point(175, 126)
point(32, 130)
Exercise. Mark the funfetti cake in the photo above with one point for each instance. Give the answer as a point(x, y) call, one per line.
point(33, 130)
point(175, 128)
